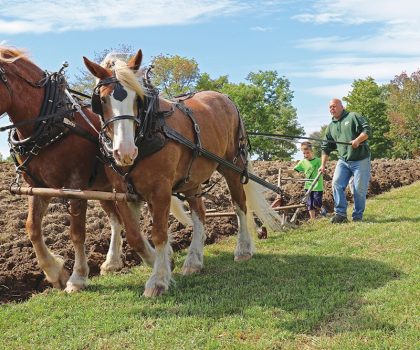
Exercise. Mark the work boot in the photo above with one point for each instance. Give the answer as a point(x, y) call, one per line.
point(339, 219)
point(357, 219)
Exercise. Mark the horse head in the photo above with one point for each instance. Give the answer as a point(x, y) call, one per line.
point(116, 98)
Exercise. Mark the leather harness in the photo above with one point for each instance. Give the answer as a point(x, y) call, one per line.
point(152, 134)
point(54, 122)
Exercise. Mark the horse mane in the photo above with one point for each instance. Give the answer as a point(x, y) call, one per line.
point(123, 73)
point(10, 54)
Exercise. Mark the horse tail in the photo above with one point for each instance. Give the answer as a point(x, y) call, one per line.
point(177, 209)
point(256, 203)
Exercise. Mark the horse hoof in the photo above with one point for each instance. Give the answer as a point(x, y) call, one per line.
point(190, 270)
point(108, 268)
point(153, 292)
point(244, 257)
point(73, 288)
point(62, 280)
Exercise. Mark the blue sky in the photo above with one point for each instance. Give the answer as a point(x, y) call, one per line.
point(321, 46)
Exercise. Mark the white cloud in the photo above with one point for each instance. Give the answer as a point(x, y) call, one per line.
point(320, 18)
point(396, 41)
point(396, 27)
point(362, 11)
point(330, 91)
point(44, 16)
point(350, 68)
point(260, 29)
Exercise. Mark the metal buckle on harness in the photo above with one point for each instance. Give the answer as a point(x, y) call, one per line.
point(35, 150)
point(3, 74)
point(69, 122)
point(15, 183)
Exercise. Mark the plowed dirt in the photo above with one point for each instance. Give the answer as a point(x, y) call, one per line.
point(20, 275)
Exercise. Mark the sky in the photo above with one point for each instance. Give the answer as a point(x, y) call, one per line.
point(320, 46)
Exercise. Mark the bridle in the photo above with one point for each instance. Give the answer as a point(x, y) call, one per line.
point(119, 93)
point(147, 110)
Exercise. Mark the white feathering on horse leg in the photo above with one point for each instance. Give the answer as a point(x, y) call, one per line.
point(113, 260)
point(158, 282)
point(194, 260)
point(79, 278)
point(245, 246)
point(51, 264)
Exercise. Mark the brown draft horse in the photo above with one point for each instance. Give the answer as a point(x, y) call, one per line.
point(121, 98)
point(69, 162)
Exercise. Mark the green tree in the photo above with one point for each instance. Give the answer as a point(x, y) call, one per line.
point(368, 99)
point(316, 146)
point(266, 106)
point(204, 82)
point(85, 81)
point(174, 75)
point(404, 114)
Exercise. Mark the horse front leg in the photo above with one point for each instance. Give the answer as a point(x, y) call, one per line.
point(130, 214)
point(51, 264)
point(161, 276)
point(79, 278)
point(113, 261)
point(194, 260)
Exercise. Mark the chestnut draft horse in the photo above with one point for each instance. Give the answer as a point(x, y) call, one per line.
point(51, 153)
point(208, 120)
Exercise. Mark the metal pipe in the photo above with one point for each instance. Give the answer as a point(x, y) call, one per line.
point(281, 137)
point(74, 194)
point(231, 213)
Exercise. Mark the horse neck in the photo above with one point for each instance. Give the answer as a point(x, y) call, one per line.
point(26, 100)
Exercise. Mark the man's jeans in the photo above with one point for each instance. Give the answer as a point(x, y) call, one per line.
point(360, 170)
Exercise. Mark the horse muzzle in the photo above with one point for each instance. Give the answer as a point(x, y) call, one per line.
point(125, 157)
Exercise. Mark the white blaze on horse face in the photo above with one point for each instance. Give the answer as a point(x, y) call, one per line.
point(125, 150)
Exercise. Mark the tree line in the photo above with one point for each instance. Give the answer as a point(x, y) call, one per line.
point(265, 103)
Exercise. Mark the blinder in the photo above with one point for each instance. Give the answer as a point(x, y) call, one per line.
point(96, 104)
point(119, 94)
point(96, 99)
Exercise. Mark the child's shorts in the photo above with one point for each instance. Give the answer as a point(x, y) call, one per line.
point(314, 200)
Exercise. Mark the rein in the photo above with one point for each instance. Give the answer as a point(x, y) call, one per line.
point(293, 137)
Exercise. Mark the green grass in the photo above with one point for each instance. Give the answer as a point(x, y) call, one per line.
point(321, 286)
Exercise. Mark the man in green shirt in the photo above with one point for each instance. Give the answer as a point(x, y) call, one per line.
point(354, 159)
point(310, 167)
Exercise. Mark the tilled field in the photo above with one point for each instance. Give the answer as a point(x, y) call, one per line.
point(20, 275)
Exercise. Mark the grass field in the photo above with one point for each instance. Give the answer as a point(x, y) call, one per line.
point(321, 286)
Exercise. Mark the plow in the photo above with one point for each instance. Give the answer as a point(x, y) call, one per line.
point(65, 193)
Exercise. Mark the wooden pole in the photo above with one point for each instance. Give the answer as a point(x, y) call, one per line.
point(73, 194)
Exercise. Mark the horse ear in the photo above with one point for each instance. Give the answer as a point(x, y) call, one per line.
point(97, 70)
point(135, 61)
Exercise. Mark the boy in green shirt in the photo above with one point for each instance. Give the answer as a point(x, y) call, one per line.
point(310, 166)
